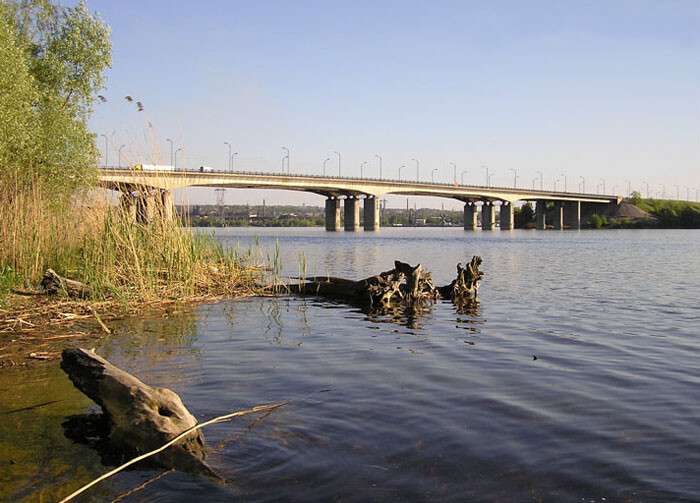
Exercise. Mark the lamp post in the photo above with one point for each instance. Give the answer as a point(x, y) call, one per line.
point(647, 184)
point(678, 192)
point(338, 154)
point(233, 161)
point(402, 167)
point(119, 154)
point(324, 165)
point(171, 152)
point(106, 149)
point(228, 164)
point(629, 188)
point(417, 169)
point(380, 164)
point(462, 176)
point(362, 169)
point(602, 181)
point(583, 184)
point(175, 158)
point(432, 175)
point(454, 169)
point(488, 176)
point(286, 156)
point(541, 180)
point(564, 176)
point(515, 177)
point(534, 180)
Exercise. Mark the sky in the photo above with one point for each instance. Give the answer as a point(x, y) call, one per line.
point(605, 90)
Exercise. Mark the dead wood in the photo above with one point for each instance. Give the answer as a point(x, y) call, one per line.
point(141, 418)
point(52, 283)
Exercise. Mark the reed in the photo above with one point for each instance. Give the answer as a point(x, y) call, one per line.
point(93, 241)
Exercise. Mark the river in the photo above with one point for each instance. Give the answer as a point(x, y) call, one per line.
point(575, 378)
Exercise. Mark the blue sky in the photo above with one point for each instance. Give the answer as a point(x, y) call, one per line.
point(600, 89)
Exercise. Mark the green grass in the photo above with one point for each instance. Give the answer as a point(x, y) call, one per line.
point(671, 213)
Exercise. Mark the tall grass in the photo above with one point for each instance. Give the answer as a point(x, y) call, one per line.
point(94, 241)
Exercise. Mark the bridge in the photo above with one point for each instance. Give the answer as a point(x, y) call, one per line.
point(144, 190)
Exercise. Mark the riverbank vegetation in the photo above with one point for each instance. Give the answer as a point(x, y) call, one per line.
point(52, 64)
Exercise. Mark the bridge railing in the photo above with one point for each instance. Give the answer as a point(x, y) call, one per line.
point(357, 178)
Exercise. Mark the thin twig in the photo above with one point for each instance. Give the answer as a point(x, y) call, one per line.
point(226, 417)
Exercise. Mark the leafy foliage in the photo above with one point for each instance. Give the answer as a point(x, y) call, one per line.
point(52, 60)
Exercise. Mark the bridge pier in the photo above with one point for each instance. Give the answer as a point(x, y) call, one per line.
point(145, 207)
point(167, 204)
point(352, 214)
point(541, 215)
point(558, 215)
point(332, 214)
point(372, 213)
point(470, 217)
point(506, 216)
point(572, 214)
point(128, 205)
point(488, 216)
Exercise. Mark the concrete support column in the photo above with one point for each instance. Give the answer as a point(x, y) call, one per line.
point(506, 217)
point(558, 215)
point(166, 200)
point(372, 214)
point(572, 215)
point(541, 215)
point(332, 214)
point(352, 214)
point(128, 205)
point(145, 207)
point(470, 217)
point(488, 216)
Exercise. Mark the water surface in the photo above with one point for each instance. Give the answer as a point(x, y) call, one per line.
point(574, 379)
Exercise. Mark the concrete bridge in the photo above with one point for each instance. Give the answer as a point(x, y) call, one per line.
point(153, 189)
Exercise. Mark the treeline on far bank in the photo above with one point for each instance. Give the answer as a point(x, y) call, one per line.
point(633, 213)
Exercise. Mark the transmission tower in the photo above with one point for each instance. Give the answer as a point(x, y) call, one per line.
point(220, 196)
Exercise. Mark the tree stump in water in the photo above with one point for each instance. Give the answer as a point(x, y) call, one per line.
point(142, 418)
point(404, 285)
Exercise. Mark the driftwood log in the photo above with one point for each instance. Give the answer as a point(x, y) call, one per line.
point(404, 285)
point(52, 284)
point(140, 417)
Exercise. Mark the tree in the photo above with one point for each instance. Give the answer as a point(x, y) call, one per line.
point(524, 216)
point(65, 51)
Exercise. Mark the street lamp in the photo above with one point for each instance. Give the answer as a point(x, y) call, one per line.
point(338, 154)
point(602, 181)
point(380, 164)
point(286, 156)
point(417, 169)
point(541, 180)
point(432, 175)
point(362, 169)
point(228, 164)
point(515, 177)
point(119, 154)
point(171, 151)
point(678, 192)
point(106, 149)
point(583, 185)
point(402, 167)
point(324, 165)
point(233, 161)
point(534, 180)
point(629, 188)
point(462, 176)
point(488, 177)
point(564, 175)
point(175, 158)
